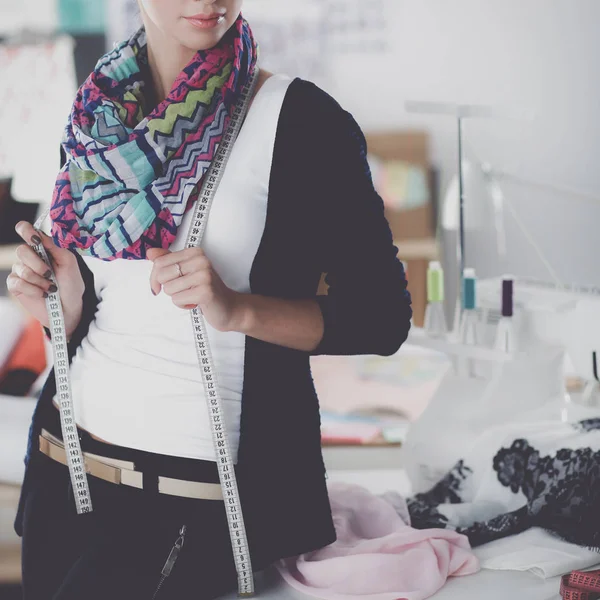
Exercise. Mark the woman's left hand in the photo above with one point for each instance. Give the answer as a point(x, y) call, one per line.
point(199, 285)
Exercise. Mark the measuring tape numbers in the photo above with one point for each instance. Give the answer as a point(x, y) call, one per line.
point(75, 461)
point(237, 529)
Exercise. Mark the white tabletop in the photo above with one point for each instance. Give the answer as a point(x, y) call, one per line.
point(485, 585)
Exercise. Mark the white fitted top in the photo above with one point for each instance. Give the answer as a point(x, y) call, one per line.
point(136, 380)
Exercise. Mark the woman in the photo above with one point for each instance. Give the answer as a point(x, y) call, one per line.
point(296, 200)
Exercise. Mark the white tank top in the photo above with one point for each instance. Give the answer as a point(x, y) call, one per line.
point(135, 377)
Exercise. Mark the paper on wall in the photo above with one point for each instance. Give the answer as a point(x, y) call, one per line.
point(35, 109)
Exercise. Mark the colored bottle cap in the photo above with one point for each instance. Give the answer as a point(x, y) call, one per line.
point(507, 295)
point(469, 295)
point(435, 283)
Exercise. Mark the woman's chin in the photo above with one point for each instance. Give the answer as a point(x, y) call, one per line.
point(201, 39)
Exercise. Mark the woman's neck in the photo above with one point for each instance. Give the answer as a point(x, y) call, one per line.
point(166, 59)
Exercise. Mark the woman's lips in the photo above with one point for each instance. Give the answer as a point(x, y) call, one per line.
point(206, 22)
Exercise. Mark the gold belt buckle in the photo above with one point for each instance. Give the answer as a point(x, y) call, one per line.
point(55, 449)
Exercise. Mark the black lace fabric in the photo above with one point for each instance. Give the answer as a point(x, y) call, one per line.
point(562, 494)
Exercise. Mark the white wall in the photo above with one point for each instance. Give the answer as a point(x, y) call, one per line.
point(38, 15)
point(539, 55)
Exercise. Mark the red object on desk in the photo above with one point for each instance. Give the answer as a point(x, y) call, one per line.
point(580, 585)
point(349, 433)
point(342, 441)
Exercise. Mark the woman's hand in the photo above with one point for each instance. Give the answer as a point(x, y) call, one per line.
point(199, 285)
point(29, 279)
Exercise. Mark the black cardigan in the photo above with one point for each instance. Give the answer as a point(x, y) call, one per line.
point(323, 216)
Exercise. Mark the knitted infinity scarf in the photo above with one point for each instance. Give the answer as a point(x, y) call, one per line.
point(130, 178)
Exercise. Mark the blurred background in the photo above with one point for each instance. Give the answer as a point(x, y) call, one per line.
point(531, 183)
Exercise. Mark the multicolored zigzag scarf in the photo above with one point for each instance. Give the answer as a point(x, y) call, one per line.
point(130, 178)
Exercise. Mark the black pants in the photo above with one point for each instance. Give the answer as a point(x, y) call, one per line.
point(118, 550)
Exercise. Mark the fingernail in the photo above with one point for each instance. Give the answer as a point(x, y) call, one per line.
point(36, 240)
point(153, 292)
point(45, 294)
point(52, 289)
point(47, 274)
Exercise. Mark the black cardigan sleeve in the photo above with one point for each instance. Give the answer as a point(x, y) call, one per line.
point(367, 309)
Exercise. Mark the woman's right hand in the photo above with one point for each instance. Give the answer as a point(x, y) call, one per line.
point(29, 279)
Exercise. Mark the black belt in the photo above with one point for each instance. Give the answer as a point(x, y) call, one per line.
point(122, 472)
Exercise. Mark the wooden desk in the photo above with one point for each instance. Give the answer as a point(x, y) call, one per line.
point(362, 456)
point(418, 249)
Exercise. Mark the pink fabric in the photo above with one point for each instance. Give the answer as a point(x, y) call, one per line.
point(377, 556)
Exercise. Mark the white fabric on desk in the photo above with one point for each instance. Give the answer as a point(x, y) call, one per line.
point(518, 476)
point(537, 551)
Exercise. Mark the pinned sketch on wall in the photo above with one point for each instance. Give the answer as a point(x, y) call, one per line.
point(356, 26)
point(291, 36)
point(34, 113)
point(302, 38)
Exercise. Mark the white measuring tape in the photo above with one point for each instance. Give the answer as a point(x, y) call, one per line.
point(75, 461)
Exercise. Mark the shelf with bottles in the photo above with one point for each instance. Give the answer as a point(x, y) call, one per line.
point(464, 339)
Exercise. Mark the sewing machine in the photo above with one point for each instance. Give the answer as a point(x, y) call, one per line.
point(556, 333)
